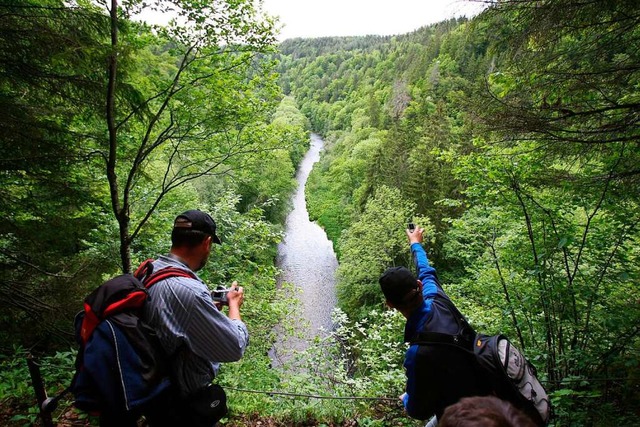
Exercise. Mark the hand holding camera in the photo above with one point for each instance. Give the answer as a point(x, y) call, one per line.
point(414, 233)
point(224, 296)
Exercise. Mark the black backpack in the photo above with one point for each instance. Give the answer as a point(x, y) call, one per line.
point(120, 363)
point(511, 376)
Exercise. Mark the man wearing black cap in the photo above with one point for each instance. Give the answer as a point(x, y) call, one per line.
point(436, 376)
point(195, 334)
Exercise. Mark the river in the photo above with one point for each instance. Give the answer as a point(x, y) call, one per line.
point(307, 261)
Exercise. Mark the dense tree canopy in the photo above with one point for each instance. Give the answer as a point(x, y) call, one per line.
point(110, 127)
point(515, 134)
point(513, 137)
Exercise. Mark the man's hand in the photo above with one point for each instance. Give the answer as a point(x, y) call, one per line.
point(415, 236)
point(235, 298)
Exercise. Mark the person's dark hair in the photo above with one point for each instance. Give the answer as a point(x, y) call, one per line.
point(484, 411)
point(400, 288)
point(187, 238)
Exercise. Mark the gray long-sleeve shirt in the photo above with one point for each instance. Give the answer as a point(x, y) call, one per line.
point(191, 329)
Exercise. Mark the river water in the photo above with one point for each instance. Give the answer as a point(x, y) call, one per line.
point(307, 261)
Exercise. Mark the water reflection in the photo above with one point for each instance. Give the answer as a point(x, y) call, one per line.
point(307, 261)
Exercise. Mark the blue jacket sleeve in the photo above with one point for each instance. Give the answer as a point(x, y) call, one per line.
point(426, 273)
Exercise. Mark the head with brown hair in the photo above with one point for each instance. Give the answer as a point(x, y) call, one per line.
point(484, 411)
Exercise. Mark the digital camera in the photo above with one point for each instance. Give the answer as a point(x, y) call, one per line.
point(219, 294)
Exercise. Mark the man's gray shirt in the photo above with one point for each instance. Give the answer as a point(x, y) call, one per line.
point(194, 333)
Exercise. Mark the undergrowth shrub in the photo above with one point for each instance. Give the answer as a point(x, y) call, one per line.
point(354, 372)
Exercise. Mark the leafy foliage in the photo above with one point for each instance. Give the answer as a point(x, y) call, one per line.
point(513, 137)
point(369, 246)
point(515, 134)
point(192, 125)
point(49, 56)
point(324, 382)
point(81, 190)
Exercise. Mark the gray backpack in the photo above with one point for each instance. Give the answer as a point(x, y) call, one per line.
point(514, 375)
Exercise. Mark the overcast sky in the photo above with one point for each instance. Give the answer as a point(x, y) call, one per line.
point(318, 18)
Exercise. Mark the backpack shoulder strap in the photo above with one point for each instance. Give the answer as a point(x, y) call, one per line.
point(464, 339)
point(460, 319)
point(148, 277)
point(165, 273)
point(458, 340)
point(144, 270)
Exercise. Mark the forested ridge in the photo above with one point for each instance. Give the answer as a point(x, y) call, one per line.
point(512, 137)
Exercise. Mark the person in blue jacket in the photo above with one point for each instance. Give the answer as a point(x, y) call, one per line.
point(437, 375)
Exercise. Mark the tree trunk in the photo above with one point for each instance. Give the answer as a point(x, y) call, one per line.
point(120, 210)
point(125, 242)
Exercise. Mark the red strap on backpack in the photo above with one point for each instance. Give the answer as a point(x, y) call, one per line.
point(148, 277)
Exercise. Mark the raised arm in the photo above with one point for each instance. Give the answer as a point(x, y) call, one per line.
point(425, 272)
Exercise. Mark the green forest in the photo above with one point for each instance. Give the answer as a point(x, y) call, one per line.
point(512, 137)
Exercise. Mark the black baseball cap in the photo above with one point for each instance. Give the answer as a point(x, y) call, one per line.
point(396, 283)
point(197, 220)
